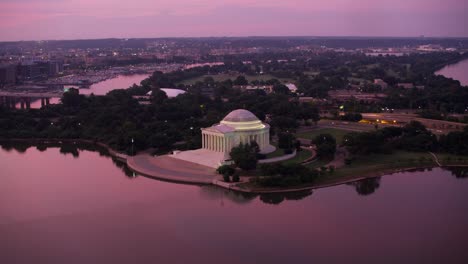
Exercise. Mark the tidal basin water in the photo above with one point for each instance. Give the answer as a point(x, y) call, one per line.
point(457, 71)
point(119, 82)
point(100, 88)
point(70, 205)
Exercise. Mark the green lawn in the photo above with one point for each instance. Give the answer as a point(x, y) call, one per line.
point(318, 163)
point(338, 134)
point(225, 76)
point(300, 157)
point(364, 165)
point(451, 159)
point(278, 152)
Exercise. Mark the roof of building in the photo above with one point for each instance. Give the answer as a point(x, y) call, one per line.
point(240, 115)
point(220, 128)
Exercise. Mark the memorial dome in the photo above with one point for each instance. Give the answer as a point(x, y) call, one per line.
point(240, 115)
point(242, 119)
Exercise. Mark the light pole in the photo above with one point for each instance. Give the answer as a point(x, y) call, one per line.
point(132, 146)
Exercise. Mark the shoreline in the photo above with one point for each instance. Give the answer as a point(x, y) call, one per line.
point(439, 68)
point(227, 185)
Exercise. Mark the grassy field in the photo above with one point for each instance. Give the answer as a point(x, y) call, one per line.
point(318, 163)
point(223, 77)
point(300, 157)
point(450, 159)
point(338, 134)
point(278, 152)
point(375, 163)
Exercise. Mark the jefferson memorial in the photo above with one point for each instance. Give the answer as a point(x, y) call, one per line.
point(239, 126)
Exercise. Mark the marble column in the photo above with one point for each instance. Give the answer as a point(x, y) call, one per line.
point(210, 141)
point(214, 142)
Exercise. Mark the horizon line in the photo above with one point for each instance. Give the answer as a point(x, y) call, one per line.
point(252, 36)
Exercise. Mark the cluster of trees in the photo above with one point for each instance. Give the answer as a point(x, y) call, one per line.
point(455, 142)
point(245, 156)
point(326, 146)
point(354, 117)
point(288, 142)
point(228, 171)
point(412, 137)
point(281, 175)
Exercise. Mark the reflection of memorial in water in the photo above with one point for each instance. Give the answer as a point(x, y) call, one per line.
point(210, 192)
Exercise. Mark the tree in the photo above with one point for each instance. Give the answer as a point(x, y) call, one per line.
point(326, 145)
point(309, 112)
point(225, 170)
point(354, 117)
point(244, 156)
point(280, 89)
point(158, 96)
point(284, 122)
point(72, 98)
point(240, 80)
point(286, 140)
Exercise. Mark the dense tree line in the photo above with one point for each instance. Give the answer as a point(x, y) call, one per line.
point(412, 137)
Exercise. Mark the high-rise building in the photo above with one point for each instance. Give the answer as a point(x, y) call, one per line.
point(7, 74)
point(30, 70)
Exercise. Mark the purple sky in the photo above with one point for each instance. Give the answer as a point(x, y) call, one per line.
point(78, 19)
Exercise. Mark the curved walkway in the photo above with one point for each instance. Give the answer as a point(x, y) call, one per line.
point(280, 158)
point(436, 159)
point(171, 169)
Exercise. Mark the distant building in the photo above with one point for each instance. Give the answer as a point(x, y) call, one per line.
point(292, 87)
point(381, 83)
point(344, 95)
point(29, 70)
point(40, 69)
point(246, 88)
point(55, 68)
point(7, 74)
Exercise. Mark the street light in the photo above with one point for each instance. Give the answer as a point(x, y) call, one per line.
point(132, 146)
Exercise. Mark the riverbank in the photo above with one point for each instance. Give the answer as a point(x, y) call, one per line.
point(449, 63)
point(456, 71)
point(168, 169)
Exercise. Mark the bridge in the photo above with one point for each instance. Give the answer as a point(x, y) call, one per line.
point(10, 99)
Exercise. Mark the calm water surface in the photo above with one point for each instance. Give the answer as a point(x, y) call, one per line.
point(64, 205)
point(120, 82)
point(101, 88)
point(458, 71)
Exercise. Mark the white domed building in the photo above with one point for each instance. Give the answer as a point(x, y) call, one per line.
point(239, 126)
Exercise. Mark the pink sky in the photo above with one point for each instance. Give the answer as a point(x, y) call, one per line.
point(78, 19)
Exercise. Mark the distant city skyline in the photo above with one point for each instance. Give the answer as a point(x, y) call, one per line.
point(88, 19)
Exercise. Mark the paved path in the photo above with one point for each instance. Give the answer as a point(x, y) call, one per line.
point(280, 158)
point(170, 169)
point(436, 159)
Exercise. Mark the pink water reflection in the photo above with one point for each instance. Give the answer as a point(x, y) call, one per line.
point(55, 208)
point(120, 82)
point(458, 71)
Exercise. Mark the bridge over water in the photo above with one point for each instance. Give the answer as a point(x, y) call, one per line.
point(11, 99)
